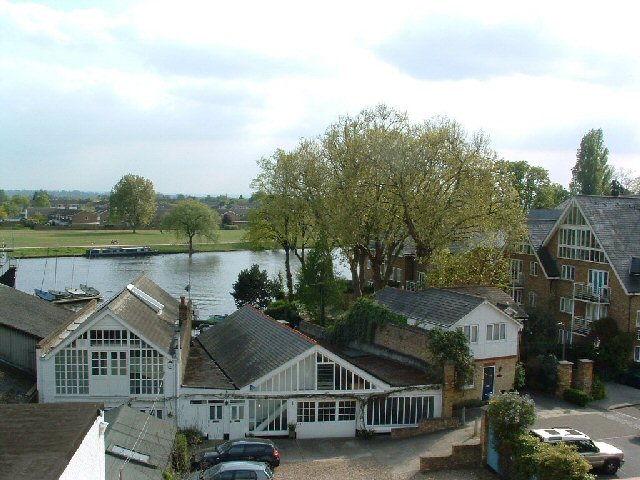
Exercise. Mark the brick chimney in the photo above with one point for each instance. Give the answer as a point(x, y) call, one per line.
point(184, 319)
point(183, 311)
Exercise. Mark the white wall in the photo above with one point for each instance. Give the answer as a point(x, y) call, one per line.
point(482, 316)
point(18, 349)
point(88, 463)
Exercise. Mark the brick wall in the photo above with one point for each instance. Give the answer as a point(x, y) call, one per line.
point(403, 338)
point(462, 456)
point(565, 374)
point(583, 375)
point(428, 425)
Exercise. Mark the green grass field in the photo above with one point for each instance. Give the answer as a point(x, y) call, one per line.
point(37, 243)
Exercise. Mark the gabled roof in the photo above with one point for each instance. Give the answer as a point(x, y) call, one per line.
point(496, 297)
point(142, 433)
point(138, 308)
point(616, 224)
point(434, 306)
point(30, 314)
point(248, 344)
point(37, 440)
point(615, 221)
point(540, 222)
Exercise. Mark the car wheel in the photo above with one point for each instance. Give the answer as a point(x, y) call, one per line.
point(610, 467)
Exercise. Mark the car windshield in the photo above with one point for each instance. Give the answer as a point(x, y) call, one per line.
point(269, 471)
point(224, 447)
point(210, 472)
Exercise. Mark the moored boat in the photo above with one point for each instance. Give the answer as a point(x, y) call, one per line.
point(120, 252)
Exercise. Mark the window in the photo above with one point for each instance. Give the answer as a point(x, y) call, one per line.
point(471, 332)
point(215, 412)
point(391, 411)
point(568, 273)
point(146, 368)
point(636, 354)
point(72, 371)
point(516, 270)
point(533, 298)
point(108, 337)
point(99, 363)
point(496, 331)
point(325, 376)
point(566, 305)
point(533, 269)
point(118, 363)
point(576, 241)
point(516, 294)
point(326, 411)
point(306, 411)
point(638, 325)
point(347, 410)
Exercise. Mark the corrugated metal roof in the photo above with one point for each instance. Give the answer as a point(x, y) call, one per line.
point(30, 314)
point(248, 344)
point(141, 433)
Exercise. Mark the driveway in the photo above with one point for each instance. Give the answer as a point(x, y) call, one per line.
point(378, 457)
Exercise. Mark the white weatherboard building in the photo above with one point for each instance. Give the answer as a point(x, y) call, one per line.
point(252, 375)
point(126, 351)
point(248, 375)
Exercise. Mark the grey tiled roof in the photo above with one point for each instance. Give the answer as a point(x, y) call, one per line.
point(30, 314)
point(158, 328)
point(150, 435)
point(202, 371)
point(616, 223)
point(540, 222)
point(248, 344)
point(432, 306)
point(495, 296)
point(37, 440)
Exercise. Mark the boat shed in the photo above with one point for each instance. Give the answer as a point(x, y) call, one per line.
point(24, 321)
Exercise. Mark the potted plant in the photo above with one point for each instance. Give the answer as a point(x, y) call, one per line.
point(292, 430)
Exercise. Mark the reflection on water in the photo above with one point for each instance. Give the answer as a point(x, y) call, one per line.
point(211, 274)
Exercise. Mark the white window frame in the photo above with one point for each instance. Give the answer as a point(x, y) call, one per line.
point(516, 294)
point(499, 328)
point(638, 325)
point(565, 275)
point(636, 354)
point(533, 268)
point(565, 302)
point(471, 332)
point(533, 299)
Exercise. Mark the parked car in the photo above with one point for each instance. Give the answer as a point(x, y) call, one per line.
point(252, 449)
point(631, 378)
point(239, 470)
point(600, 455)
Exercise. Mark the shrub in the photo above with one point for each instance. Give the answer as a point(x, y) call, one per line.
point(510, 415)
point(560, 462)
point(283, 310)
point(193, 435)
point(359, 323)
point(519, 379)
point(180, 454)
point(549, 372)
point(598, 391)
point(577, 397)
point(168, 474)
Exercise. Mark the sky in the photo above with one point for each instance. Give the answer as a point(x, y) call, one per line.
point(191, 94)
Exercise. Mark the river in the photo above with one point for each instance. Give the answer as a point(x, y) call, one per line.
point(211, 274)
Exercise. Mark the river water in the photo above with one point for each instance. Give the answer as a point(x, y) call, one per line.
point(211, 274)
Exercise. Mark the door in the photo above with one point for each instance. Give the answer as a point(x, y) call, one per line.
point(215, 426)
point(487, 383)
point(237, 420)
point(599, 281)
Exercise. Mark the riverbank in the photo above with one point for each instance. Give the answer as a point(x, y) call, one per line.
point(27, 243)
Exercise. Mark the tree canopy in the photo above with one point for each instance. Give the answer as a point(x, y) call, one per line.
point(534, 188)
point(591, 175)
point(255, 287)
point(190, 218)
point(133, 201)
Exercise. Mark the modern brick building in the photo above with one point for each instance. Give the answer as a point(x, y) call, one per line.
point(581, 263)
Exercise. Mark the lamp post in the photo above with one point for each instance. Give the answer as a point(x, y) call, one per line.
point(561, 330)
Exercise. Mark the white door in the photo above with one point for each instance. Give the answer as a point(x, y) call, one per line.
point(237, 419)
point(215, 425)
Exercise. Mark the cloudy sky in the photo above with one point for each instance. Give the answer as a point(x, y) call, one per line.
point(190, 94)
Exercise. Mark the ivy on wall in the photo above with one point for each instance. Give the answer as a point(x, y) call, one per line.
point(359, 323)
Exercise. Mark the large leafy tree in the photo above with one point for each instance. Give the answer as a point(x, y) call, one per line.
point(190, 218)
point(40, 199)
point(133, 201)
point(534, 188)
point(255, 287)
point(591, 175)
point(365, 220)
point(283, 216)
point(453, 193)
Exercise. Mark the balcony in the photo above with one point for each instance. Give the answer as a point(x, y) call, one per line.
point(414, 286)
point(591, 293)
point(582, 325)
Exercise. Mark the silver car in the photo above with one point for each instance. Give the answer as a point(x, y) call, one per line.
point(600, 455)
point(238, 470)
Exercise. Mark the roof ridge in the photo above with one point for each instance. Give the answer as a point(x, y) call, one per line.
point(277, 322)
